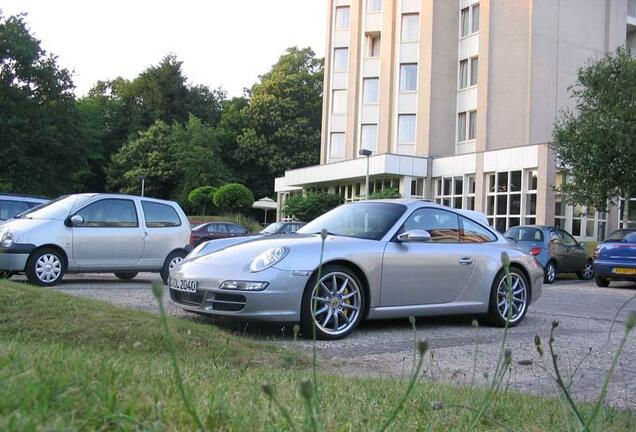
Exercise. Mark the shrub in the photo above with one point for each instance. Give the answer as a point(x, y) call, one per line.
point(202, 198)
point(233, 198)
point(388, 193)
point(312, 205)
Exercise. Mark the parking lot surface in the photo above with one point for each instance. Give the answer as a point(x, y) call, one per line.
point(385, 348)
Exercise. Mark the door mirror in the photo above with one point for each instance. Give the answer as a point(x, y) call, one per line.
point(76, 220)
point(414, 236)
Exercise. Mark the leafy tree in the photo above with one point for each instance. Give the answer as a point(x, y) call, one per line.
point(282, 120)
point(595, 141)
point(42, 148)
point(312, 205)
point(202, 198)
point(233, 198)
point(386, 193)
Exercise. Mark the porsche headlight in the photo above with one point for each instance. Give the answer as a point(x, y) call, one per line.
point(7, 240)
point(268, 258)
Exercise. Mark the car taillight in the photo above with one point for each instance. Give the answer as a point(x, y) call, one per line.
point(535, 251)
point(596, 253)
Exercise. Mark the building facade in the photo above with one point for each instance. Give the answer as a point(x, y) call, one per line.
point(457, 99)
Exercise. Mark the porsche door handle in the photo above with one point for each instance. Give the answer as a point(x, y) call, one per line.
point(466, 261)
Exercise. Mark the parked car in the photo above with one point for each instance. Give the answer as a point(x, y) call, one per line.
point(615, 258)
point(216, 230)
point(12, 205)
point(95, 233)
point(556, 250)
point(282, 228)
point(382, 259)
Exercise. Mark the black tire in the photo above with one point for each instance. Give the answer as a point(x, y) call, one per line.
point(584, 274)
point(126, 275)
point(56, 272)
point(5, 274)
point(549, 273)
point(494, 317)
point(306, 320)
point(167, 265)
point(602, 282)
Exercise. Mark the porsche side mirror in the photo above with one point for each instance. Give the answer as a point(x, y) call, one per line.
point(414, 236)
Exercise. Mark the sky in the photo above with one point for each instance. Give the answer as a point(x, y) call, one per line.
point(222, 43)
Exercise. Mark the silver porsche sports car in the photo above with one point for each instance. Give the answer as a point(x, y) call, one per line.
point(381, 259)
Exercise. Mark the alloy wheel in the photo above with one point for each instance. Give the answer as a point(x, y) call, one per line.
point(517, 300)
point(551, 273)
point(336, 303)
point(588, 271)
point(175, 262)
point(48, 268)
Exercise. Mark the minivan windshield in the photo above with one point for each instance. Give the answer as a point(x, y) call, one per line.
point(57, 209)
point(368, 220)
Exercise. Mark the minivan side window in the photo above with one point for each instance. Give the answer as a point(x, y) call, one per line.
point(110, 213)
point(443, 226)
point(11, 208)
point(159, 215)
point(472, 232)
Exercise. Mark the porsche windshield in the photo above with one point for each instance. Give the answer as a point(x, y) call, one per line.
point(368, 220)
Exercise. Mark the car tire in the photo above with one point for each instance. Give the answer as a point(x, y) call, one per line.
point(498, 294)
point(345, 304)
point(5, 274)
point(173, 260)
point(126, 275)
point(549, 273)
point(45, 267)
point(588, 271)
point(602, 282)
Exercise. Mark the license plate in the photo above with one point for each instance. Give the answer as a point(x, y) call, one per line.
point(184, 285)
point(624, 271)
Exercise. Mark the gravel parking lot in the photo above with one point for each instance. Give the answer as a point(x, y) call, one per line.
point(385, 348)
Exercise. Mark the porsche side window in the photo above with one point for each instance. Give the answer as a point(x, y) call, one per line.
point(443, 226)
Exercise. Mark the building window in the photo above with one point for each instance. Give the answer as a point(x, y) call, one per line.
point(410, 27)
point(474, 19)
point(370, 90)
point(474, 70)
point(466, 126)
point(340, 59)
point(408, 77)
point(342, 18)
point(339, 102)
point(384, 183)
point(509, 197)
point(373, 45)
point(369, 137)
point(456, 192)
point(348, 192)
point(374, 5)
point(417, 188)
point(580, 221)
point(631, 213)
point(406, 134)
point(463, 74)
point(461, 127)
point(337, 146)
point(469, 20)
point(472, 125)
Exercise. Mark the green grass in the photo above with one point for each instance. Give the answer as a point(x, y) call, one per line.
point(70, 363)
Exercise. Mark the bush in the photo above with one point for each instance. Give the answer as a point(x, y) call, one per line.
point(312, 205)
point(233, 198)
point(202, 198)
point(388, 193)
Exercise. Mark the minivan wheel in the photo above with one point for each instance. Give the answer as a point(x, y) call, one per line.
point(550, 273)
point(126, 276)
point(500, 308)
point(173, 260)
point(45, 267)
point(334, 304)
point(588, 271)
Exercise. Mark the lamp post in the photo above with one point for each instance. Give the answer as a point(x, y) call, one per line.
point(143, 184)
point(367, 153)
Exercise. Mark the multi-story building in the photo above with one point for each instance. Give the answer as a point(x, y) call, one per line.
point(457, 101)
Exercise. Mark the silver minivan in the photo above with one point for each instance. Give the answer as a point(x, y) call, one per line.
point(101, 233)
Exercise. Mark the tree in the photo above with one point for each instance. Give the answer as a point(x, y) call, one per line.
point(202, 198)
point(309, 207)
point(282, 121)
point(386, 193)
point(234, 198)
point(42, 149)
point(596, 141)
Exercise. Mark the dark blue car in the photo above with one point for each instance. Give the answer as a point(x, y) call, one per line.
point(615, 258)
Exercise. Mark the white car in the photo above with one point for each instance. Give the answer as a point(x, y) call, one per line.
point(102, 233)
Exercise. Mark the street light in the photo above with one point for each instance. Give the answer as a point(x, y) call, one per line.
point(143, 184)
point(367, 153)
